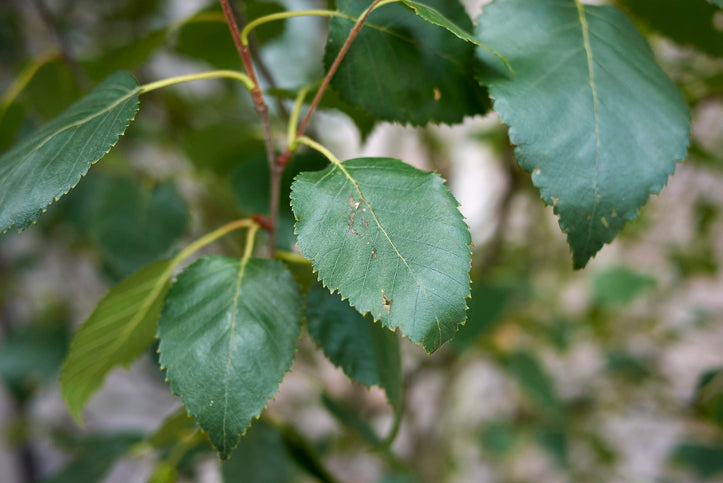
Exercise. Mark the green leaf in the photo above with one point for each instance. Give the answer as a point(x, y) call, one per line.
point(619, 285)
point(389, 238)
point(401, 68)
point(49, 163)
point(534, 381)
point(434, 16)
point(594, 118)
point(349, 417)
point(698, 28)
point(228, 334)
point(260, 458)
point(119, 331)
point(125, 57)
point(366, 351)
point(175, 428)
point(719, 3)
point(705, 460)
point(134, 225)
point(95, 458)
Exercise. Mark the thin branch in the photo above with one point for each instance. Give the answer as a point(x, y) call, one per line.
point(256, 56)
point(284, 157)
point(335, 66)
point(263, 111)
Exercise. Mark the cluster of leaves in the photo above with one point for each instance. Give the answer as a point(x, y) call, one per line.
point(593, 117)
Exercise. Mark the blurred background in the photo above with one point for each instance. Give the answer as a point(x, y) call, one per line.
point(613, 373)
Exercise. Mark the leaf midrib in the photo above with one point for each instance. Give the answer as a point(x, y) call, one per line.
point(340, 166)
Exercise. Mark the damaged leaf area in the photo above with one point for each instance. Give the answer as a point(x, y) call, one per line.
point(228, 335)
point(391, 240)
point(51, 161)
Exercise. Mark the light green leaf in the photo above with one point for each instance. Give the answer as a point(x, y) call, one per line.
point(401, 68)
point(389, 238)
point(618, 286)
point(595, 119)
point(119, 331)
point(50, 162)
point(228, 334)
point(366, 351)
point(434, 16)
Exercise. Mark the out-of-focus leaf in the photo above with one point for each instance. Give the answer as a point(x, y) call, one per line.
point(534, 381)
point(10, 121)
point(119, 331)
point(628, 365)
point(125, 57)
point(348, 417)
point(50, 162)
point(618, 286)
point(174, 428)
point(366, 351)
point(389, 238)
point(51, 90)
point(222, 147)
point(595, 119)
point(498, 438)
point(95, 458)
point(261, 457)
point(556, 443)
point(709, 395)
point(687, 22)
point(402, 68)
point(31, 355)
point(228, 335)
point(134, 226)
point(210, 41)
point(486, 307)
point(706, 461)
point(163, 473)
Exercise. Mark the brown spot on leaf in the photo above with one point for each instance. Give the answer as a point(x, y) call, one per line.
point(386, 302)
point(374, 253)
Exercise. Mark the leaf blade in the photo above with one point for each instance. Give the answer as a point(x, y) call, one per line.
point(50, 162)
point(229, 364)
point(349, 207)
point(618, 123)
point(122, 325)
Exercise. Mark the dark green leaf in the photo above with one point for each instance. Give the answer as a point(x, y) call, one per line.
point(119, 331)
point(401, 68)
point(261, 457)
point(709, 395)
point(125, 57)
point(618, 286)
point(366, 351)
point(595, 119)
point(687, 22)
point(133, 225)
point(176, 427)
point(49, 163)
point(10, 121)
point(389, 238)
point(350, 418)
point(486, 307)
point(534, 381)
point(228, 334)
point(222, 147)
point(705, 460)
point(31, 355)
point(96, 457)
point(498, 438)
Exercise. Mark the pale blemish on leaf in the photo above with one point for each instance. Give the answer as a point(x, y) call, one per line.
point(437, 94)
point(605, 222)
point(386, 302)
point(374, 254)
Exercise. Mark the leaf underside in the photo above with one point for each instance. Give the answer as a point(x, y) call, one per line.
point(366, 351)
point(119, 331)
point(50, 162)
point(227, 335)
point(402, 68)
point(389, 238)
point(594, 118)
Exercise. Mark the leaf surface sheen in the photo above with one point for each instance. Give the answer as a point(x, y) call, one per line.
point(366, 351)
point(50, 162)
point(119, 331)
point(227, 335)
point(403, 69)
point(594, 118)
point(389, 238)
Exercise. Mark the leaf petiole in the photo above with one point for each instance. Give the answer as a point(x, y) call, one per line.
point(214, 74)
point(323, 150)
point(284, 15)
point(292, 143)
